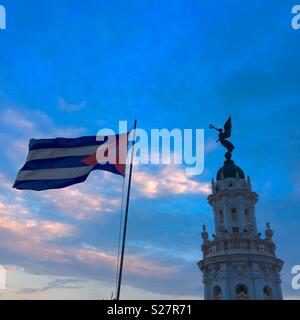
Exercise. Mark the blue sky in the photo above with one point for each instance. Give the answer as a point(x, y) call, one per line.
point(69, 68)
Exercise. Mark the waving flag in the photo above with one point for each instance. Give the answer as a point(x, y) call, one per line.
point(61, 162)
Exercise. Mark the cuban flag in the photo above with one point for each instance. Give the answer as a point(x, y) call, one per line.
point(61, 162)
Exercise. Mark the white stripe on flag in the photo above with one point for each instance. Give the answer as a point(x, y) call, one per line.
point(60, 152)
point(53, 174)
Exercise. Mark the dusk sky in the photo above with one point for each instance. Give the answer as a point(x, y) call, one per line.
point(69, 68)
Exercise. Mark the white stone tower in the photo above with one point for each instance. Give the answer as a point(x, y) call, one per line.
point(237, 263)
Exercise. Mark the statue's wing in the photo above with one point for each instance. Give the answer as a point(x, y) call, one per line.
point(227, 128)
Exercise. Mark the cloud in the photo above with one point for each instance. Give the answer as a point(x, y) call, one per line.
point(32, 245)
point(32, 230)
point(70, 107)
point(33, 240)
point(291, 297)
point(89, 200)
point(20, 231)
point(32, 123)
point(60, 283)
point(168, 181)
point(19, 125)
point(24, 285)
point(79, 204)
point(134, 264)
point(17, 119)
point(102, 192)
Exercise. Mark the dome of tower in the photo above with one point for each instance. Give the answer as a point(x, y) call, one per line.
point(230, 170)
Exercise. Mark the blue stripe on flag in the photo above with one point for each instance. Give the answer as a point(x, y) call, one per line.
point(66, 142)
point(63, 162)
point(40, 185)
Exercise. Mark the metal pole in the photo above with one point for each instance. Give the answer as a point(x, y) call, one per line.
point(126, 217)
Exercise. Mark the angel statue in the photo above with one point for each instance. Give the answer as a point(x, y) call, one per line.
point(223, 134)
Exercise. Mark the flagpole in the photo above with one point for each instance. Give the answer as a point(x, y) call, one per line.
point(126, 216)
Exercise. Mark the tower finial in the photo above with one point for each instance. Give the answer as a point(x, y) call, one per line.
point(228, 155)
point(204, 233)
point(249, 183)
point(223, 135)
point(269, 232)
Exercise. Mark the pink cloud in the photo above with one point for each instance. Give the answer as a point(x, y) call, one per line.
point(86, 201)
point(170, 180)
point(31, 238)
point(17, 119)
point(33, 229)
point(90, 199)
point(133, 264)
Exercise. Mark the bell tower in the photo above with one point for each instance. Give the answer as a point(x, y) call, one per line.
point(238, 263)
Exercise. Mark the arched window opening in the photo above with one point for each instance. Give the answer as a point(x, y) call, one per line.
point(235, 231)
point(268, 293)
point(242, 292)
point(234, 215)
point(217, 293)
point(221, 216)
